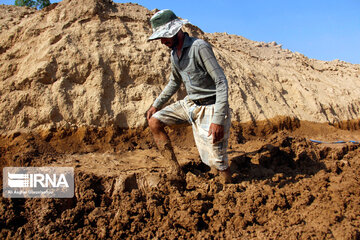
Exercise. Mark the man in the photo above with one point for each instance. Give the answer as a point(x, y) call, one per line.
point(206, 105)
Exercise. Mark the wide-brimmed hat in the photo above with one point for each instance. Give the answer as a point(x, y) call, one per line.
point(165, 24)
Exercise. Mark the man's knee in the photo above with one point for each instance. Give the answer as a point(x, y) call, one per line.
point(155, 124)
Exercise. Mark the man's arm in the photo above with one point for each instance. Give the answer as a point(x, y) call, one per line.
point(150, 112)
point(209, 62)
point(169, 90)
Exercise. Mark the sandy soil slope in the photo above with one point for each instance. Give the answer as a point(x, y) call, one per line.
point(87, 63)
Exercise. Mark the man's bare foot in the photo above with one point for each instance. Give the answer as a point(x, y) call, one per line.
point(225, 176)
point(177, 179)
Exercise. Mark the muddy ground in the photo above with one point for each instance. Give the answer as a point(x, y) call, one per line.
point(285, 186)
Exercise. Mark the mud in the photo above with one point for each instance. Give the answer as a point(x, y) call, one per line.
point(284, 185)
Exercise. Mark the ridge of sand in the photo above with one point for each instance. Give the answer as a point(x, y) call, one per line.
point(88, 63)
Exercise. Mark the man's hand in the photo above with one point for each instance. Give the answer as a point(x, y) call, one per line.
point(217, 132)
point(150, 112)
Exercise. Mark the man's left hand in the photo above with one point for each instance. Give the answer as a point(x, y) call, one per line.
point(217, 132)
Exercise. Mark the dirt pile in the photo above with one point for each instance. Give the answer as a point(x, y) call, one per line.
point(88, 63)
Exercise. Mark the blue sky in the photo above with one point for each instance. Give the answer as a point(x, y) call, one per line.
point(320, 29)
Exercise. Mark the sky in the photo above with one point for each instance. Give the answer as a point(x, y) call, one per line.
point(321, 29)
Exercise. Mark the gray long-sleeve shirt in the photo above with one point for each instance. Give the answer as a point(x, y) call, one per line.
point(201, 74)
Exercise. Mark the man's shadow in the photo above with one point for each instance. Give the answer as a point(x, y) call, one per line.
point(286, 161)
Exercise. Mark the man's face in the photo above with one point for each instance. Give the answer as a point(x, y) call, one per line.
point(169, 42)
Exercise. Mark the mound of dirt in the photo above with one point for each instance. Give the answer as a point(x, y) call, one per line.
point(87, 63)
point(75, 81)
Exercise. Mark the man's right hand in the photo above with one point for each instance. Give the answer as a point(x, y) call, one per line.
point(150, 112)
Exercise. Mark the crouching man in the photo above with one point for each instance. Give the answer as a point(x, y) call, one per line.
point(205, 107)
